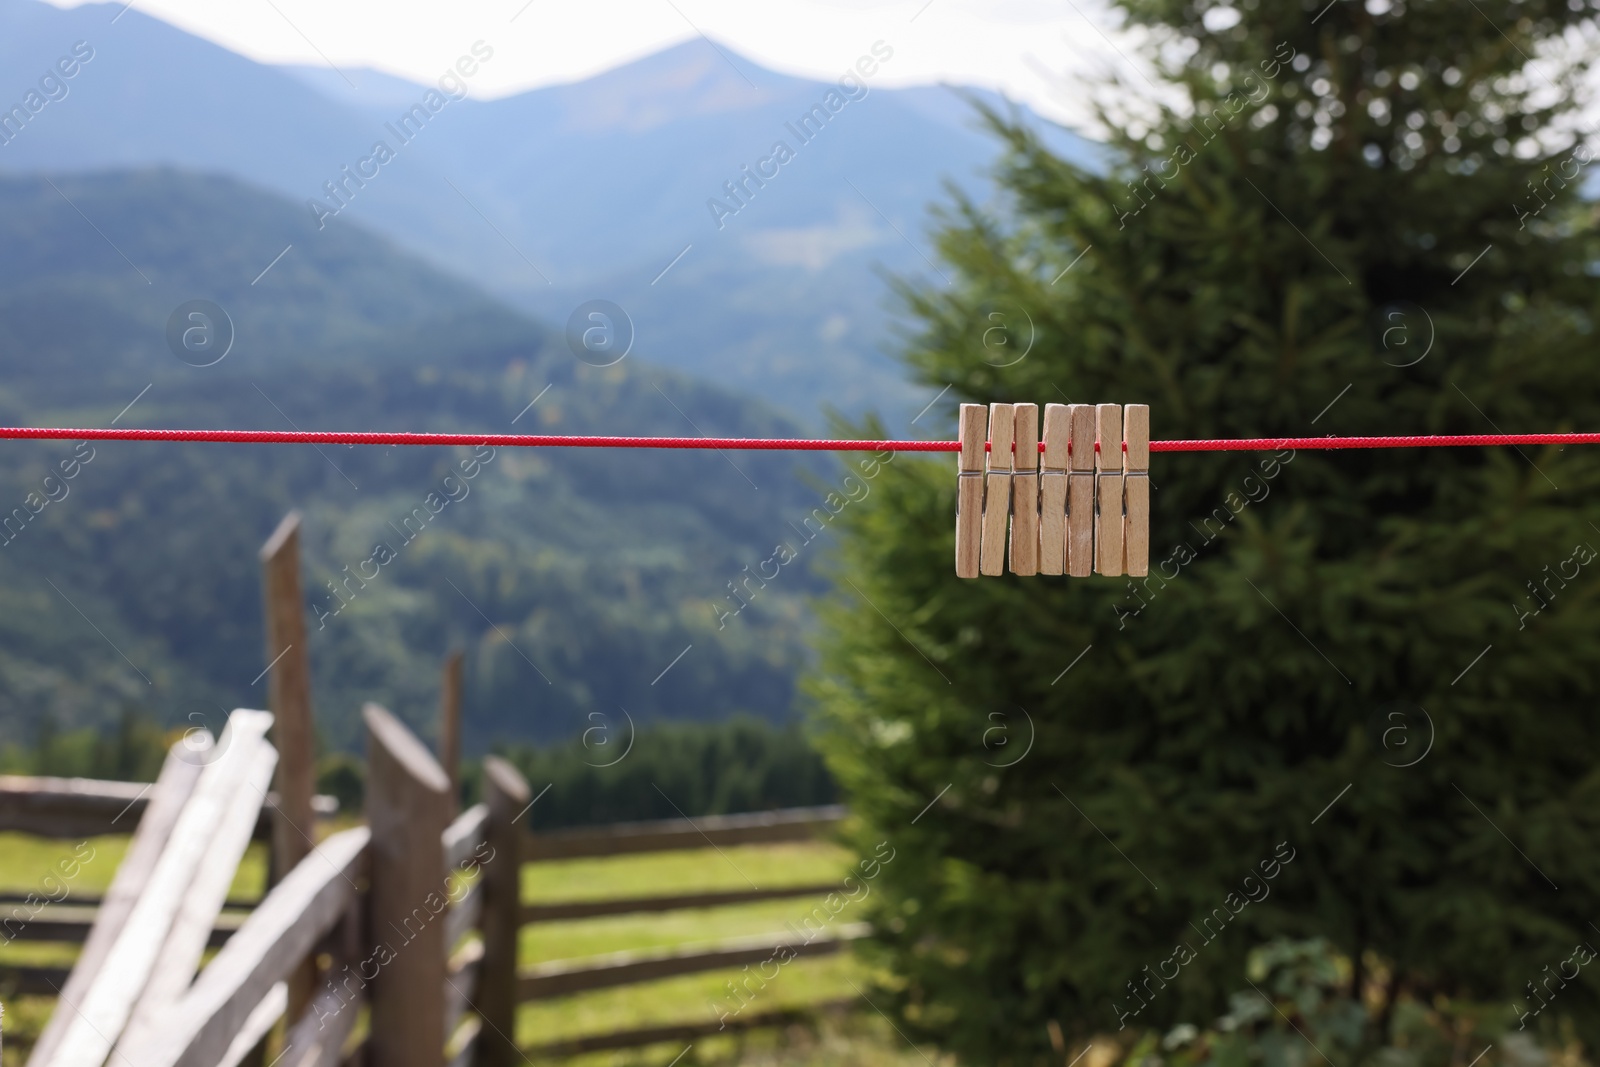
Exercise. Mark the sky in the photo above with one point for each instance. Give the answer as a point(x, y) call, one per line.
point(1028, 49)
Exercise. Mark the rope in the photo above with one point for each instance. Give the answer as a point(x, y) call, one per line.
point(767, 444)
point(334, 437)
point(1262, 444)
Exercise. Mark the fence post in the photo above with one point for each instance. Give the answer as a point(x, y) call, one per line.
point(450, 726)
point(289, 700)
point(506, 792)
point(407, 796)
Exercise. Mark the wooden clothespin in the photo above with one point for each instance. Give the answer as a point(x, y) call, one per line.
point(997, 494)
point(1080, 492)
point(1053, 491)
point(1108, 489)
point(1081, 508)
point(1136, 489)
point(974, 429)
point(1025, 492)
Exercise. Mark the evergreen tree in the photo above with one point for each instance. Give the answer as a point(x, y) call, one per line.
point(607, 774)
point(1368, 674)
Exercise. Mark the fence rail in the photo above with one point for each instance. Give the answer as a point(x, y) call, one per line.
point(198, 1029)
point(90, 901)
point(374, 921)
point(687, 1031)
point(239, 996)
point(668, 835)
point(216, 1021)
point(626, 968)
point(70, 924)
point(70, 807)
point(564, 911)
point(28, 981)
point(90, 807)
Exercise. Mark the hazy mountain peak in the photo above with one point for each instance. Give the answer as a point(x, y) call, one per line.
point(690, 80)
point(658, 184)
point(372, 88)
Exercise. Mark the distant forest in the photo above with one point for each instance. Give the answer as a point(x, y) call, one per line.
point(661, 772)
point(571, 581)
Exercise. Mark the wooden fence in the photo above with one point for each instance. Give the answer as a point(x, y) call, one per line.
point(390, 916)
point(411, 921)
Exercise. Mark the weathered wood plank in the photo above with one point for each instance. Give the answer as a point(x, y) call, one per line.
point(207, 888)
point(459, 989)
point(277, 936)
point(91, 902)
point(791, 824)
point(288, 665)
point(318, 1036)
point(90, 807)
point(407, 795)
point(464, 915)
point(464, 1043)
point(625, 968)
point(101, 1014)
point(70, 924)
point(461, 983)
point(507, 795)
point(256, 1026)
point(465, 834)
point(317, 1039)
point(165, 801)
point(357, 1056)
point(564, 911)
point(71, 807)
point(289, 691)
point(450, 725)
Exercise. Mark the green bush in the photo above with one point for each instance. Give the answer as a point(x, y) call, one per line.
point(1301, 1008)
point(132, 752)
point(1382, 661)
point(342, 776)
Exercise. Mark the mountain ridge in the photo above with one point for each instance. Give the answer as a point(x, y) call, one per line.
point(570, 577)
point(556, 196)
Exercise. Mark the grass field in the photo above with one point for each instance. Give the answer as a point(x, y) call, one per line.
point(697, 997)
point(854, 1039)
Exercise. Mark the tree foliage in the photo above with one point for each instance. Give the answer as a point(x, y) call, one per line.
point(1299, 1005)
point(609, 774)
point(1358, 219)
point(131, 752)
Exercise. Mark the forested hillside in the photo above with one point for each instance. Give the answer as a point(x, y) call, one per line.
point(784, 302)
point(572, 578)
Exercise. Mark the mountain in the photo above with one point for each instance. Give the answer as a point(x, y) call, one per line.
point(599, 189)
point(580, 582)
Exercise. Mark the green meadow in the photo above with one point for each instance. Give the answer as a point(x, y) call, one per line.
point(856, 1037)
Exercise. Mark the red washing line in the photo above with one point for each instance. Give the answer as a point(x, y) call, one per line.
point(778, 444)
